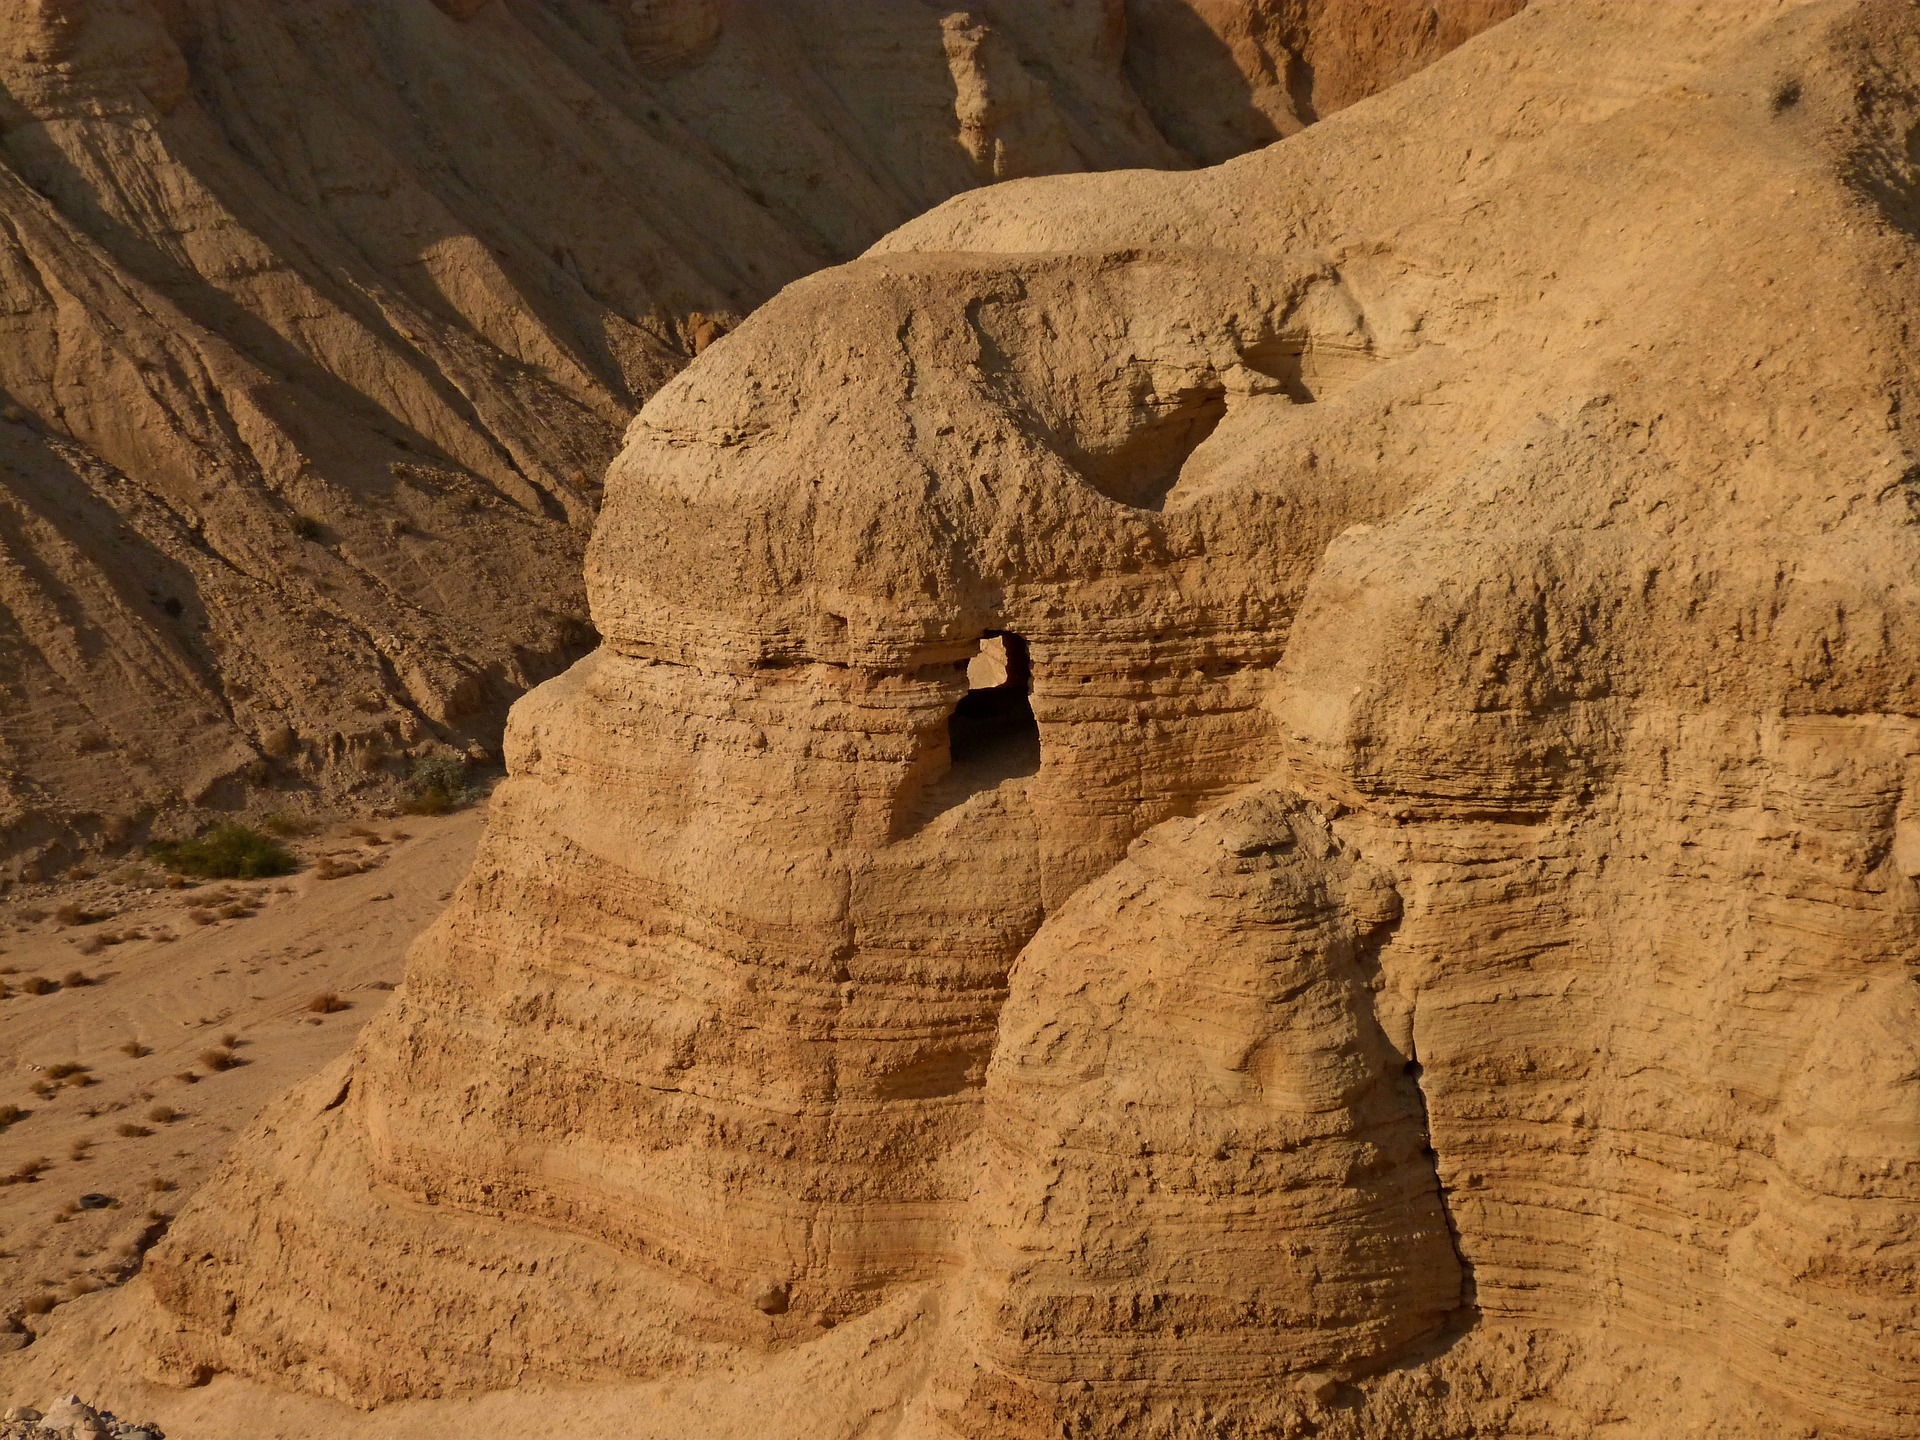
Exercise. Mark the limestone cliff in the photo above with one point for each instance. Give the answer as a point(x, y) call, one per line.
point(322, 321)
point(1293, 788)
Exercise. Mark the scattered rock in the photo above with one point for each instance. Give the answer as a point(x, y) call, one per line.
point(1319, 1386)
point(771, 1297)
point(73, 1419)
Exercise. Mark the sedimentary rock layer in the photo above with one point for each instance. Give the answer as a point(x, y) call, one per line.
point(1295, 786)
point(322, 322)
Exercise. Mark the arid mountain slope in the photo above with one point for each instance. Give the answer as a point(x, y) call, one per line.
point(322, 320)
point(1283, 799)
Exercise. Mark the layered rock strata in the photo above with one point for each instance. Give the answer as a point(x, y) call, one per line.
point(1416, 933)
point(322, 322)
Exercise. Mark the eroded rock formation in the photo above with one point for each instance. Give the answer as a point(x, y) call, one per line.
point(322, 321)
point(1414, 931)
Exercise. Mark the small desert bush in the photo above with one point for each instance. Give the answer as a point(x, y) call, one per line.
point(163, 1114)
point(219, 1058)
point(39, 1304)
point(438, 784)
point(288, 826)
point(10, 1113)
point(25, 1171)
point(39, 985)
point(325, 1003)
point(74, 979)
point(227, 852)
point(135, 1049)
point(64, 1069)
point(129, 1130)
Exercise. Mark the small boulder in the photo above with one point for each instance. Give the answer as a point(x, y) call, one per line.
point(1320, 1386)
point(771, 1296)
point(69, 1416)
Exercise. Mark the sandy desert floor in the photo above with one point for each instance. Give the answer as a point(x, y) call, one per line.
point(116, 1073)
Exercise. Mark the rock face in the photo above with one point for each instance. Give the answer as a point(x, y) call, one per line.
point(1295, 786)
point(322, 321)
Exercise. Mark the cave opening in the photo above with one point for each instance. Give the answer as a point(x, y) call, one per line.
point(992, 735)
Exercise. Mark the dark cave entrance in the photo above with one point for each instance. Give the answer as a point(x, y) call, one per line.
point(992, 735)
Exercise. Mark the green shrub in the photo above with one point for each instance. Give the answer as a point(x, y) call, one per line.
point(438, 784)
point(227, 852)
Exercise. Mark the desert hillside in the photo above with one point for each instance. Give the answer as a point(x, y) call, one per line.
point(1269, 800)
point(323, 320)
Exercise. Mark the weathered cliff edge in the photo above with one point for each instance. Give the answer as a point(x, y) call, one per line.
point(1440, 957)
point(321, 321)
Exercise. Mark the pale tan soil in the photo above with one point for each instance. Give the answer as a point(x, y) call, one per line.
point(177, 992)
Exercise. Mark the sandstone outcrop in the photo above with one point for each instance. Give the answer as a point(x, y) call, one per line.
point(1293, 787)
point(322, 321)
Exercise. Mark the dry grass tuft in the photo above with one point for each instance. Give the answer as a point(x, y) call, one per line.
point(26, 1170)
